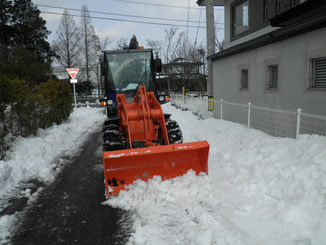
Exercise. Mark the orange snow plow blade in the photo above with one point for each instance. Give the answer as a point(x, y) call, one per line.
point(123, 167)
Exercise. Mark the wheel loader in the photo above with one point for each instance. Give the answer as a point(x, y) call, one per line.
point(139, 140)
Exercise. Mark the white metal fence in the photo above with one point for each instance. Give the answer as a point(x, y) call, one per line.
point(278, 123)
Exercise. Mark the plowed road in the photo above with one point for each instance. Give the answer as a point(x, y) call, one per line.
point(69, 210)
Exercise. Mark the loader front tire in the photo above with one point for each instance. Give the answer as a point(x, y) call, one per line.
point(174, 131)
point(111, 138)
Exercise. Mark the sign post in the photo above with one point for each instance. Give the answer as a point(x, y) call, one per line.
point(73, 72)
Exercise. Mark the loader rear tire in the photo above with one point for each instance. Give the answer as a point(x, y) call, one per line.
point(174, 131)
point(110, 127)
point(112, 120)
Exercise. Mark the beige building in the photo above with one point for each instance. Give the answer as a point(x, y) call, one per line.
point(274, 54)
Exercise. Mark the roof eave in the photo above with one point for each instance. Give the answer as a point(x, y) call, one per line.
point(215, 2)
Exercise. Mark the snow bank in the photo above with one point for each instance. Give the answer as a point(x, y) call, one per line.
point(174, 211)
point(260, 190)
point(39, 157)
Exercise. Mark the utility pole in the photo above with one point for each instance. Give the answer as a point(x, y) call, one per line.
point(210, 44)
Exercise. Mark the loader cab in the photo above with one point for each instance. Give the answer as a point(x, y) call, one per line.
point(123, 70)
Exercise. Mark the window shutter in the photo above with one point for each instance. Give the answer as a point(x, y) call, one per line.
point(319, 73)
point(273, 76)
point(245, 78)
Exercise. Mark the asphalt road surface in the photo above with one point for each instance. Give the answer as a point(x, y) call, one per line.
point(69, 211)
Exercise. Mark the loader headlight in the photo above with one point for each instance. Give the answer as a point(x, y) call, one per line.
point(110, 102)
point(161, 98)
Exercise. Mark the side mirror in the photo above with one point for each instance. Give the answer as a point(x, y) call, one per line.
point(158, 65)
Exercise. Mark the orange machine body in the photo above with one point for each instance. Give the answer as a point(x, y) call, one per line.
point(143, 121)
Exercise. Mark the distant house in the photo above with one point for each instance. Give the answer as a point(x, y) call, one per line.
point(274, 54)
point(180, 73)
point(62, 74)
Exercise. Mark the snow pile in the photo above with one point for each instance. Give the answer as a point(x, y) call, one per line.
point(40, 157)
point(260, 190)
point(5, 222)
point(174, 211)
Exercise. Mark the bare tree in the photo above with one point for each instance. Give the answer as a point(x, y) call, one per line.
point(89, 44)
point(122, 43)
point(190, 66)
point(156, 46)
point(94, 59)
point(167, 48)
point(106, 43)
point(169, 35)
point(179, 50)
point(97, 47)
point(66, 44)
point(218, 44)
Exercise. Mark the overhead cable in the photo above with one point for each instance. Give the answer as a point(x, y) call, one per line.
point(197, 28)
point(108, 13)
point(131, 21)
point(155, 4)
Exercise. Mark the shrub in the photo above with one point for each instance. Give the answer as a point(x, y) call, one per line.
point(58, 100)
point(84, 88)
point(24, 109)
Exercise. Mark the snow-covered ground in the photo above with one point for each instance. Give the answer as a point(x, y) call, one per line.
point(260, 190)
point(42, 157)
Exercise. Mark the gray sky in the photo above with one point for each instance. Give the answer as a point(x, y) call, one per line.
point(178, 9)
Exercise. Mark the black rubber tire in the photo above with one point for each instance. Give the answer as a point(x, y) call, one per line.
point(174, 131)
point(112, 120)
point(111, 138)
point(110, 127)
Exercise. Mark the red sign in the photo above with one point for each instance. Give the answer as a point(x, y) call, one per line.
point(72, 72)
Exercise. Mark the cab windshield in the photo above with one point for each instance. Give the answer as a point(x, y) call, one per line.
point(127, 70)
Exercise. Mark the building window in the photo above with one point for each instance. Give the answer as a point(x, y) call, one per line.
point(265, 10)
point(272, 77)
point(278, 6)
point(295, 2)
point(318, 73)
point(240, 17)
point(244, 79)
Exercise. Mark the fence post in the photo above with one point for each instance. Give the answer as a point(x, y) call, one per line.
point(221, 109)
point(299, 113)
point(203, 106)
point(206, 106)
point(249, 113)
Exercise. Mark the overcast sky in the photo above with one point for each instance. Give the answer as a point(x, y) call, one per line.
point(176, 9)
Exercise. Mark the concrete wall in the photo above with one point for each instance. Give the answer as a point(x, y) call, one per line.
point(293, 57)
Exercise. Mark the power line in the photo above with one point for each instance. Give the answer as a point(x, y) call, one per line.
point(125, 15)
point(188, 17)
point(124, 20)
point(154, 4)
point(198, 27)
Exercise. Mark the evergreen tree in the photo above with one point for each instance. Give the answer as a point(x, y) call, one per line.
point(23, 42)
point(30, 30)
point(5, 28)
point(133, 43)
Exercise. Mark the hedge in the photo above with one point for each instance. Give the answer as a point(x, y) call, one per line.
point(23, 110)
